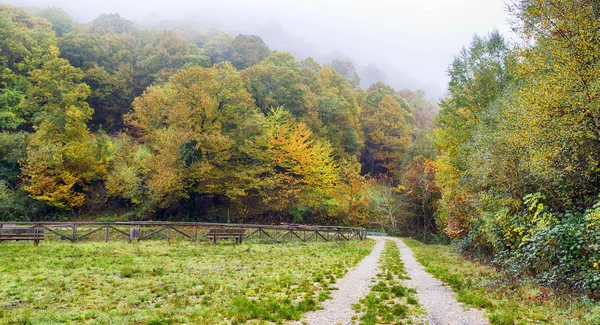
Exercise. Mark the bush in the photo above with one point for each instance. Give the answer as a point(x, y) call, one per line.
point(561, 251)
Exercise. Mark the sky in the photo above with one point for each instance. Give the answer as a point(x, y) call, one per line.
point(411, 41)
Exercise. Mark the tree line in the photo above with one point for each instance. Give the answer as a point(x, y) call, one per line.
point(519, 146)
point(110, 121)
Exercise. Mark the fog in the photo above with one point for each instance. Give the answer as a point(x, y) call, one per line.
point(407, 43)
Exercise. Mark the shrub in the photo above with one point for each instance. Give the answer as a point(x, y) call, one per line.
point(559, 250)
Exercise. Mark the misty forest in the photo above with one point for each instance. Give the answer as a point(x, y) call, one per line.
point(113, 120)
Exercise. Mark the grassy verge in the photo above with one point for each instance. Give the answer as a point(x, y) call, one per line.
point(505, 301)
point(389, 302)
point(157, 283)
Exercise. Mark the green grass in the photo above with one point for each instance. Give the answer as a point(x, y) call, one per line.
point(389, 302)
point(505, 300)
point(158, 283)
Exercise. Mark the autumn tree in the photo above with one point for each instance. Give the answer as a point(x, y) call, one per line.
point(352, 194)
point(62, 156)
point(558, 66)
point(303, 169)
point(387, 137)
point(202, 142)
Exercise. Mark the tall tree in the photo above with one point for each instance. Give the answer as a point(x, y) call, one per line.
point(202, 142)
point(26, 42)
point(478, 77)
point(386, 121)
point(304, 171)
point(61, 22)
point(558, 63)
point(62, 156)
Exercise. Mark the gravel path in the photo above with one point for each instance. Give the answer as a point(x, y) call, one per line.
point(351, 288)
point(434, 296)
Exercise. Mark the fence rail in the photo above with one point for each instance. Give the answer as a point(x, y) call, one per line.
point(195, 231)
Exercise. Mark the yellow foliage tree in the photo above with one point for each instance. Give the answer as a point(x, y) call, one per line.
point(202, 131)
point(558, 63)
point(303, 169)
point(62, 156)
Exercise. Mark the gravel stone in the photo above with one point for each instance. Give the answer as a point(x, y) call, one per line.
point(351, 288)
point(434, 296)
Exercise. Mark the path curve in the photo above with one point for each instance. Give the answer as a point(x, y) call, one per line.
point(351, 288)
point(434, 296)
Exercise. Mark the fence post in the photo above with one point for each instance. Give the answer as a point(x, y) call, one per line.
point(134, 233)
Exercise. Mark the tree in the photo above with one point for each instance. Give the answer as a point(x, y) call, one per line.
point(274, 86)
point(352, 194)
point(347, 70)
point(62, 156)
point(478, 78)
point(129, 172)
point(202, 142)
point(26, 42)
point(386, 200)
point(339, 112)
point(558, 66)
point(219, 47)
point(420, 193)
point(387, 138)
point(282, 59)
point(61, 22)
point(303, 170)
point(111, 24)
point(248, 50)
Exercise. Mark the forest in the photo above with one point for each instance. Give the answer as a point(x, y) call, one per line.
point(111, 121)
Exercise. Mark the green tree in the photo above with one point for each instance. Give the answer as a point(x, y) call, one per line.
point(248, 50)
point(26, 42)
point(61, 22)
point(272, 85)
point(478, 78)
point(347, 70)
point(111, 24)
point(219, 47)
point(339, 112)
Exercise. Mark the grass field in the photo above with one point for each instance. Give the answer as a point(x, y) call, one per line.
point(158, 283)
point(506, 302)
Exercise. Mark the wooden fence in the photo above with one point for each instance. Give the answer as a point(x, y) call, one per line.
point(195, 231)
